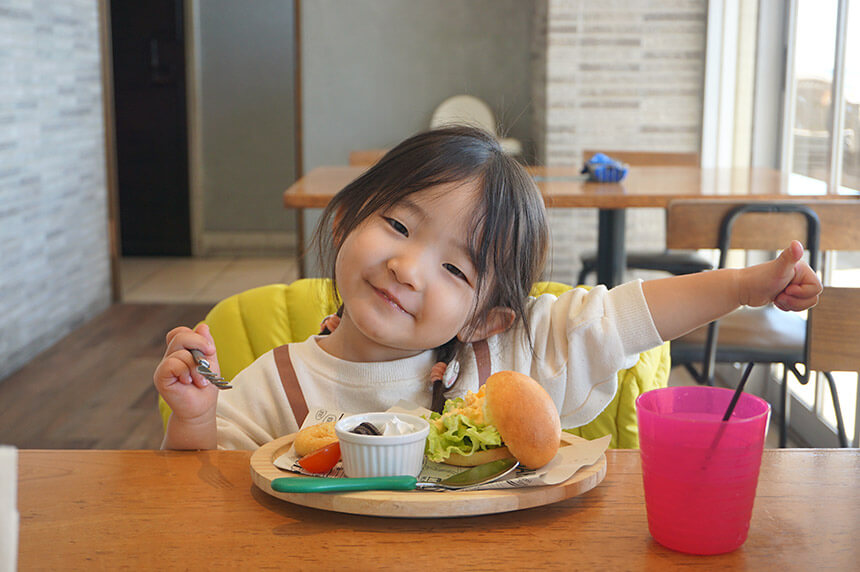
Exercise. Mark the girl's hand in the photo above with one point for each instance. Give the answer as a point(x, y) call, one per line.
point(189, 394)
point(787, 281)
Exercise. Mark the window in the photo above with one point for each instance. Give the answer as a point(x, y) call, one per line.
point(821, 151)
point(812, 79)
point(823, 76)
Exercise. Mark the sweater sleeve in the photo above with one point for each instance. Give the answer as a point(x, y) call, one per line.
point(255, 411)
point(580, 341)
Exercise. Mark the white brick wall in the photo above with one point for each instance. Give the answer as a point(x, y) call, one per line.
point(54, 262)
point(620, 74)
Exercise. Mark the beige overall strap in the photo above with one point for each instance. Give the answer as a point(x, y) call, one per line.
point(291, 383)
point(482, 357)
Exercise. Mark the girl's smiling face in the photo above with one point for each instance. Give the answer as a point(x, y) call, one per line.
point(406, 276)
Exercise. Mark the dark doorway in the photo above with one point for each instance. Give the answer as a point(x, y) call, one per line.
point(148, 43)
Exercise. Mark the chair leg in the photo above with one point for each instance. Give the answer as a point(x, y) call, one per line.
point(692, 371)
point(583, 274)
point(783, 413)
point(840, 424)
point(709, 362)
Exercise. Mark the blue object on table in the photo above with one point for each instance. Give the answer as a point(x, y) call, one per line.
point(604, 169)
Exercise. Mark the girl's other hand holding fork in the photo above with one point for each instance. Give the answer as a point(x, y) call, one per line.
point(191, 397)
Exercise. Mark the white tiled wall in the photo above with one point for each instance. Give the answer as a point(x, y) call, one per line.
point(619, 74)
point(54, 263)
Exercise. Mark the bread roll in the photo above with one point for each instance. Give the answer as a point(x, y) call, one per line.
point(314, 437)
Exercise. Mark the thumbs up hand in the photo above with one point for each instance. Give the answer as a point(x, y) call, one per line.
point(787, 281)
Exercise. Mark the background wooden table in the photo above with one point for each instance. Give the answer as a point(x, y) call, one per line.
point(644, 186)
point(199, 510)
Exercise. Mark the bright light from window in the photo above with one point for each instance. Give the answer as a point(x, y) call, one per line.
point(815, 47)
point(851, 117)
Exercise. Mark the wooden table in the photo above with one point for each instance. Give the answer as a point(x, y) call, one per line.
point(198, 510)
point(644, 186)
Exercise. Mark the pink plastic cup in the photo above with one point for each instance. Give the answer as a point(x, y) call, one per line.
point(700, 473)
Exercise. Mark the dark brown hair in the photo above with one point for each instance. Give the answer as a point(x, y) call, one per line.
point(508, 238)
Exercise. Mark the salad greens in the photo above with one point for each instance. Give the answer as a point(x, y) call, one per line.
point(453, 432)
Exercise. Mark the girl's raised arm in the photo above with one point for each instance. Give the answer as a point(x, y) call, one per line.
point(680, 304)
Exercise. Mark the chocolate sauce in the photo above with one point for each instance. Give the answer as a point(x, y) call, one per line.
point(366, 429)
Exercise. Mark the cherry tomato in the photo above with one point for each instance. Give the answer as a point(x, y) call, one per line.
point(322, 460)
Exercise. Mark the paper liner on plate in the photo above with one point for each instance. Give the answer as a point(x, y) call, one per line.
point(570, 458)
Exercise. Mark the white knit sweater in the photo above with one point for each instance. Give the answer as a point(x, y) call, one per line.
point(580, 341)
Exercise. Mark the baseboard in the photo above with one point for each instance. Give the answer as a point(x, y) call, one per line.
point(247, 244)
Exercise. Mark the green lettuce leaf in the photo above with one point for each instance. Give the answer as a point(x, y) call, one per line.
point(458, 434)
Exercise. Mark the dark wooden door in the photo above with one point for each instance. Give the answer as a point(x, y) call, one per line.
point(151, 131)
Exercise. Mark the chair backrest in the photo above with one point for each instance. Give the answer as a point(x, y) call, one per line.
point(694, 224)
point(824, 225)
point(646, 158)
point(834, 331)
point(464, 110)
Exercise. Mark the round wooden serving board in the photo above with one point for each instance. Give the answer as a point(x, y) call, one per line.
point(422, 504)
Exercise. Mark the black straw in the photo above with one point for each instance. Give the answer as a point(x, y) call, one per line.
point(738, 391)
point(730, 410)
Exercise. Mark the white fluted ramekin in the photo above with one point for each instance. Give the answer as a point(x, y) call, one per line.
point(381, 455)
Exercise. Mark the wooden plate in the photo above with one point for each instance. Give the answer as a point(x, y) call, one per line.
point(422, 504)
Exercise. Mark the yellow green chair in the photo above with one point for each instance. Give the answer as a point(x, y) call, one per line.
point(247, 325)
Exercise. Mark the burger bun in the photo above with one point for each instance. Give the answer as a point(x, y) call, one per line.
point(525, 416)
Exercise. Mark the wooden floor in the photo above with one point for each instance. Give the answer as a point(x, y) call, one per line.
point(93, 389)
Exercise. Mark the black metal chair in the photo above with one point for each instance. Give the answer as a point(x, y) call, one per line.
point(676, 263)
point(754, 335)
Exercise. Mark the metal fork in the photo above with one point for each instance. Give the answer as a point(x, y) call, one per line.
point(203, 369)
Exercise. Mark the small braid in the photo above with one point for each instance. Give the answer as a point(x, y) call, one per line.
point(329, 323)
point(444, 354)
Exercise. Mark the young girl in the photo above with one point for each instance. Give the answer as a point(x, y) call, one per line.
point(433, 252)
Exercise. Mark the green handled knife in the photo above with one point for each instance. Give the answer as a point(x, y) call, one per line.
point(476, 475)
point(328, 485)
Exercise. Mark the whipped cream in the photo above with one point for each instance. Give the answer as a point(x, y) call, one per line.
point(397, 426)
